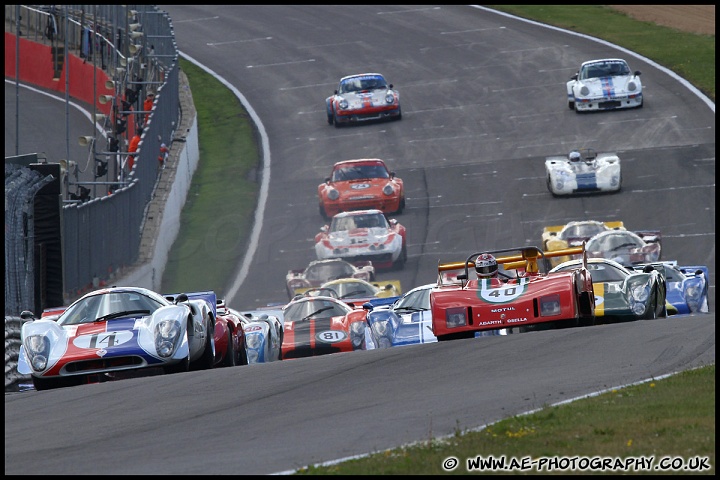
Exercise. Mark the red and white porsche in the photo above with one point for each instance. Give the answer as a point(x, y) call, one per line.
point(363, 97)
point(363, 235)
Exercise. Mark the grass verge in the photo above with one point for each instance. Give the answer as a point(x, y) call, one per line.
point(672, 418)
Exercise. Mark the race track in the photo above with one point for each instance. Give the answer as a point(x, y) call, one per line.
point(483, 99)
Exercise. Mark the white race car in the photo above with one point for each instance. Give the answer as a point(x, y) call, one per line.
point(363, 235)
point(583, 171)
point(604, 84)
point(363, 97)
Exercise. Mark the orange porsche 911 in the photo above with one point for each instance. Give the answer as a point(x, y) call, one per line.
point(359, 185)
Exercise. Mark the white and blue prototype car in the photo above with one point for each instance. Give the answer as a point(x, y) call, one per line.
point(118, 329)
point(263, 333)
point(583, 171)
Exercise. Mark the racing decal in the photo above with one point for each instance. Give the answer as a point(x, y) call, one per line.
point(503, 293)
point(103, 340)
point(599, 291)
point(252, 328)
point(608, 89)
point(360, 186)
point(330, 336)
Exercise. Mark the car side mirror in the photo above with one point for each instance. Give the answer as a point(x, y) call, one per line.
point(336, 92)
point(392, 174)
point(324, 228)
point(648, 268)
point(574, 77)
point(181, 298)
point(327, 179)
point(390, 86)
point(637, 73)
point(27, 315)
point(367, 306)
point(393, 221)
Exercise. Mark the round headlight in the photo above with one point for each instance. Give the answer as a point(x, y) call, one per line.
point(253, 341)
point(632, 86)
point(343, 104)
point(333, 194)
point(388, 189)
point(389, 98)
point(584, 90)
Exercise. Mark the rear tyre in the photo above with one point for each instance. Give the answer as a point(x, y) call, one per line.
point(229, 360)
point(400, 262)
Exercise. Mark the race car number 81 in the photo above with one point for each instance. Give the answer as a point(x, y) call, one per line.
point(330, 336)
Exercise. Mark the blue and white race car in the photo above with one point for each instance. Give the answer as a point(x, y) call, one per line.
point(405, 320)
point(263, 333)
point(687, 286)
point(583, 171)
point(119, 329)
point(604, 84)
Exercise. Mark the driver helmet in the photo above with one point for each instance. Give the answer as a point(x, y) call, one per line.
point(486, 266)
point(574, 156)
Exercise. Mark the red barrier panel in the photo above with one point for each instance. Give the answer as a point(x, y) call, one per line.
point(37, 68)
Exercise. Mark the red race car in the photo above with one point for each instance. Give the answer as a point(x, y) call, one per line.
point(229, 337)
point(321, 325)
point(359, 185)
point(520, 296)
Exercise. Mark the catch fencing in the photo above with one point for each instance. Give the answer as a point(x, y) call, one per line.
point(102, 219)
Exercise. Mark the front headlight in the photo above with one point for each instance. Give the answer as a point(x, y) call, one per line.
point(37, 348)
point(380, 328)
point(388, 189)
point(343, 104)
point(456, 317)
point(584, 91)
point(333, 194)
point(550, 305)
point(253, 340)
point(389, 98)
point(167, 336)
point(632, 86)
point(357, 333)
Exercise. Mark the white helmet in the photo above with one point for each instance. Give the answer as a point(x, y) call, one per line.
point(574, 156)
point(486, 266)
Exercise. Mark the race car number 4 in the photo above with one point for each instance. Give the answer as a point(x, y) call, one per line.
point(360, 186)
point(102, 340)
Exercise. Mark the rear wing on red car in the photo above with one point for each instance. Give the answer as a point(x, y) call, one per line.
point(527, 259)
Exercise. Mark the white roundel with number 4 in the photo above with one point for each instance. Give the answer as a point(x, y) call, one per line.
point(330, 336)
point(503, 293)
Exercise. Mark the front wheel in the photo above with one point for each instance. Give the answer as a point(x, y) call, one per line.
point(207, 359)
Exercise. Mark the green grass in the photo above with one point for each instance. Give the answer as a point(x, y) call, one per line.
point(673, 417)
point(217, 217)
